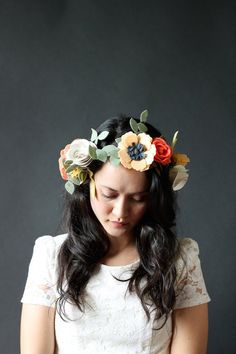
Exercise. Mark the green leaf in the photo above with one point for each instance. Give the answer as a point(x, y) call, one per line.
point(67, 163)
point(92, 152)
point(109, 149)
point(75, 181)
point(142, 127)
point(69, 186)
point(103, 135)
point(94, 135)
point(174, 140)
point(71, 168)
point(134, 125)
point(83, 176)
point(101, 155)
point(143, 116)
point(118, 140)
point(114, 161)
point(114, 154)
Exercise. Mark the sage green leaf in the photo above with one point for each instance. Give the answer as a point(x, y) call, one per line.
point(114, 161)
point(83, 176)
point(103, 135)
point(69, 186)
point(94, 135)
point(134, 125)
point(71, 168)
point(67, 163)
point(75, 181)
point(142, 127)
point(118, 140)
point(114, 154)
point(109, 149)
point(101, 155)
point(92, 152)
point(143, 116)
point(174, 140)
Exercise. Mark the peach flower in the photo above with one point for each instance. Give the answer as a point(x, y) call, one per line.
point(61, 160)
point(136, 151)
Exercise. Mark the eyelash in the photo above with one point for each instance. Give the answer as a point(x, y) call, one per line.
point(112, 197)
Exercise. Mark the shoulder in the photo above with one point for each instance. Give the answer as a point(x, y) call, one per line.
point(50, 242)
point(46, 247)
point(188, 245)
point(188, 252)
point(190, 285)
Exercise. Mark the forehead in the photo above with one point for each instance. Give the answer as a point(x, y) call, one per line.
point(121, 179)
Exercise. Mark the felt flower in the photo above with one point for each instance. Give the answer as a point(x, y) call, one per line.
point(136, 151)
point(61, 162)
point(180, 159)
point(163, 151)
point(178, 176)
point(78, 152)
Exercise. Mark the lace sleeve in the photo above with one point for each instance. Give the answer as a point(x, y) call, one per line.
point(190, 285)
point(41, 281)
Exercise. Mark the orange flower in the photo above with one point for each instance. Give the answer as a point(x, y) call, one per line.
point(163, 151)
point(61, 160)
point(180, 159)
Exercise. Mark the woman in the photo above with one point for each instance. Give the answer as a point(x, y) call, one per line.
point(119, 281)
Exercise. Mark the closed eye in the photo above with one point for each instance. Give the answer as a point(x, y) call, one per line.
point(108, 196)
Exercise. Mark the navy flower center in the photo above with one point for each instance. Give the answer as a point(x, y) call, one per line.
point(136, 152)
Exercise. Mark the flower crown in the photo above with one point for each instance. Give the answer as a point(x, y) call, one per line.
point(134, 150)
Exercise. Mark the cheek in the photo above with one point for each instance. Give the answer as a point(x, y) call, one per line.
point(100, 207)
point(139, 212)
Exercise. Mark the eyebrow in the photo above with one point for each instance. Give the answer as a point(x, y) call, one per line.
point(114, 190)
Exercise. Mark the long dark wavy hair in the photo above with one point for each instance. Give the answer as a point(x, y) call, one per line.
point(87, 242)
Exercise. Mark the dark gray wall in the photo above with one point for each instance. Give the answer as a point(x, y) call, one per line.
point(65, 66)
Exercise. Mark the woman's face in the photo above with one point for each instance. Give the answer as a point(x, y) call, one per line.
point(121, 199)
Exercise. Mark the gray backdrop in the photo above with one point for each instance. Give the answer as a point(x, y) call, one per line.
point(65, 66)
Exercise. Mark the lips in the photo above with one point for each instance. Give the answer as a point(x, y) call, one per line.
point(118, 224)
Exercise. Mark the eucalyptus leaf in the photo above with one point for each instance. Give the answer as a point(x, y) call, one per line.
point(94, 135)
point(114, 161)
point(75, 181)
point(69, 186)
point(67, 163)
point(142, 127)
point(109, 149)
point(143, 116)
point(101, 155)
point(118, 140)
point(83, 176)
point(92, 152)
point(103, 135)
point(134, 125)
point(71, 168)
point(174, 140)
point(114, 154)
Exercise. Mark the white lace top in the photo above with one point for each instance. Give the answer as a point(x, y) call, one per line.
point(115, 323)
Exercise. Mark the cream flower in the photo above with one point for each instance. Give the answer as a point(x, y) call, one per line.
point(79, 152)
point(136, 151)
point(178, 176)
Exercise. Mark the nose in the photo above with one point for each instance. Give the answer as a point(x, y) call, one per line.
point(120, 208)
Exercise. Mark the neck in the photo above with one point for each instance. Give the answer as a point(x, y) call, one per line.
point(122, 251)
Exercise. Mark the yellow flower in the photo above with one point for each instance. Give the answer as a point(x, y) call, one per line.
point(136, 151)
point(180, 159)
point(75, 173)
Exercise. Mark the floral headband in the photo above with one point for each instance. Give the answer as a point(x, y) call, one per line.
point(134, 150)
